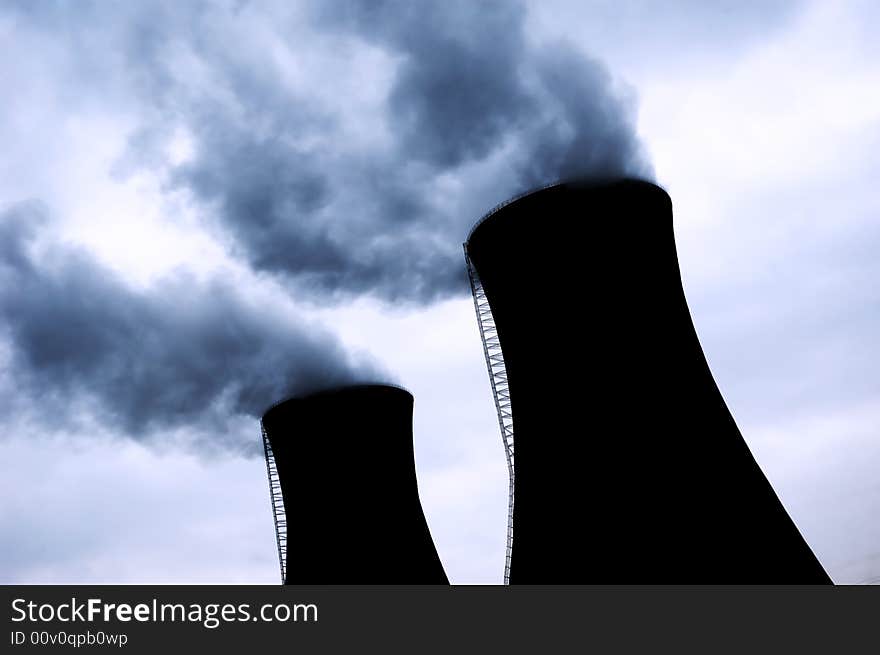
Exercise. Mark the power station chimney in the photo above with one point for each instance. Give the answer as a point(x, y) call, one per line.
point(628, 466)
point(343, 484)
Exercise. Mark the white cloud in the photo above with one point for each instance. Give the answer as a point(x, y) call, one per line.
point(112, 512)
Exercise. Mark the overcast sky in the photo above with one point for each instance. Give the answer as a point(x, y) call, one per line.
point(207, 206)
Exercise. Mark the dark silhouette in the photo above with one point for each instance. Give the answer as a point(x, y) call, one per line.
point(347, 475)
point(628, 465)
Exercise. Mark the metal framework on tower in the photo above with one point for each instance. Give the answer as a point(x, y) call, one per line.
point(277, 500)
point(500, 390)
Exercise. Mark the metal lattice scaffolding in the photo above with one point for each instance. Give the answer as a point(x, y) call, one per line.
point(500, 390)
point(275, 496)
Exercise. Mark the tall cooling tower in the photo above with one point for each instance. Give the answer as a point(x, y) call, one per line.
point(628, 466)
point(344, 491)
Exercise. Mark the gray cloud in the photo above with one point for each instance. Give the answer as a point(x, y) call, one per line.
point(467, 85)
point(470, 82)
point(349, 183)
point(184, 353)
point(460, 87)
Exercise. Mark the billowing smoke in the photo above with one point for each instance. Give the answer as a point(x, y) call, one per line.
point(468, 91)
point(183, 354)
point(344, 147)
point(347, 146)
point(470, 83)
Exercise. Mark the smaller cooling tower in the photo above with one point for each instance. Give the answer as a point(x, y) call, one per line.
point(344, 490)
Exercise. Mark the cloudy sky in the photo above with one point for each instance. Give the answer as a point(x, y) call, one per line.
point(207, 206)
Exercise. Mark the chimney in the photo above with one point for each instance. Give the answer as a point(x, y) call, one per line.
point(344, 491)
point(626, 465)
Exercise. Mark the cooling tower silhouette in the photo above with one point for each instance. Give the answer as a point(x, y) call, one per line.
point(626, 465)
point(344, 490)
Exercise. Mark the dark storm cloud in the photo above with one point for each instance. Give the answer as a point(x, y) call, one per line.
point(184, 353)
point(469, 113)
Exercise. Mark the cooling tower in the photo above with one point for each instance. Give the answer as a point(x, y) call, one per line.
point(343, 483)
point(626, 465)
